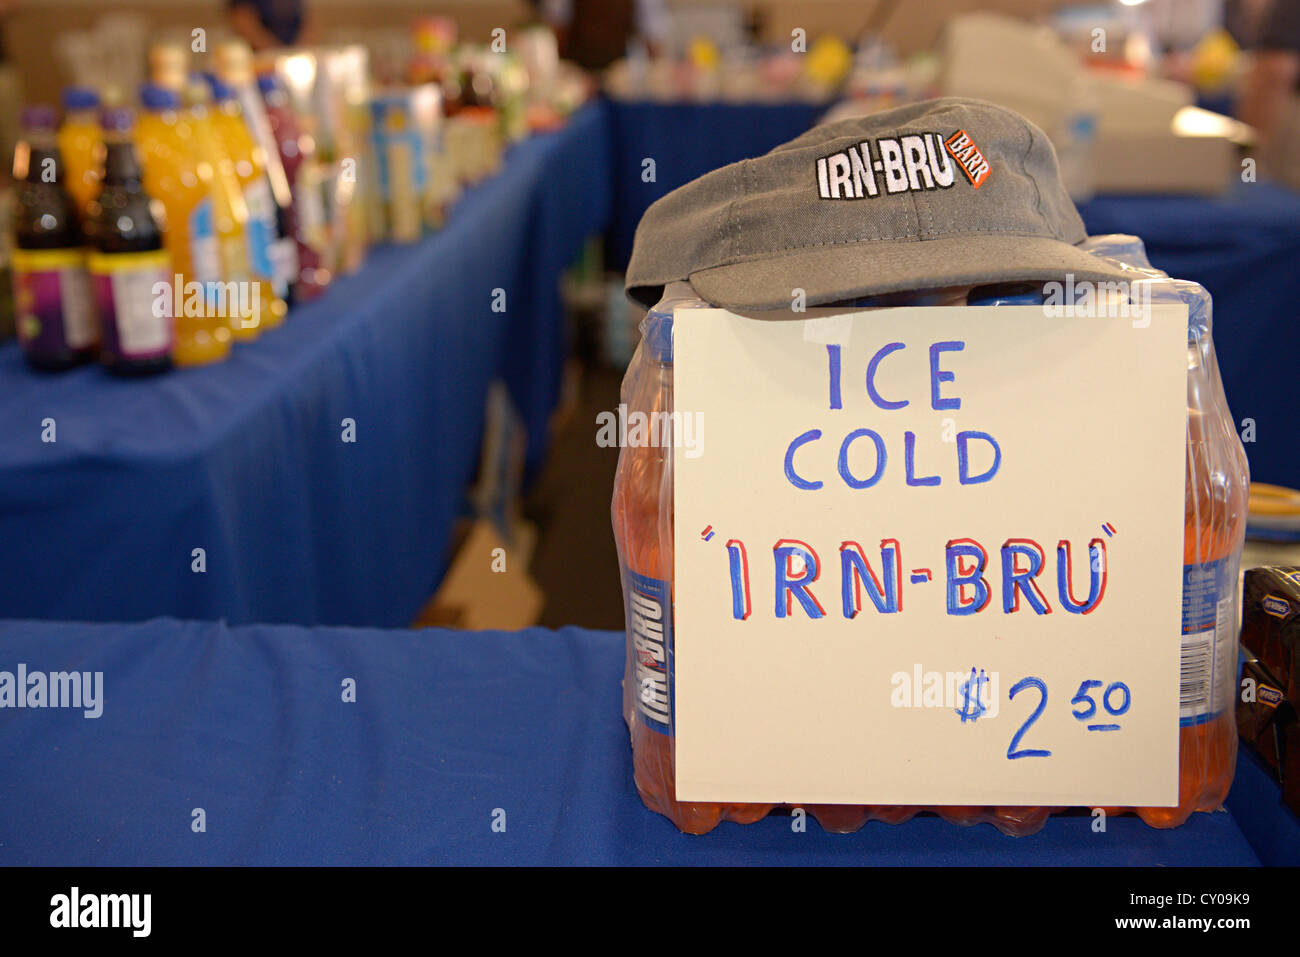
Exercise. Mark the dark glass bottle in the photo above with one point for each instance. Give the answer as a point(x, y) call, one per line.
point(53, 311)
point(130, 270)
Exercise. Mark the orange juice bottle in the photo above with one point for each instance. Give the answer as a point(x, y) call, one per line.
point(80, 143)
point(175, 176)
point(248, 303)
point(235, 301)
point(261, 230)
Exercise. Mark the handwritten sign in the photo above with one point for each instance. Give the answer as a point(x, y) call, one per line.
point(929, 556)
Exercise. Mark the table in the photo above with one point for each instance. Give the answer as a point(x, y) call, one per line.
point(247, 459)
point(448, 731)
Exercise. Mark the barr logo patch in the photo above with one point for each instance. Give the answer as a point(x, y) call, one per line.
point(1270, 696)
point(1275, 606)
point(968, 157)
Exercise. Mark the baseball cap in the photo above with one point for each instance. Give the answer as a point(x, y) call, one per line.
point(945, 192)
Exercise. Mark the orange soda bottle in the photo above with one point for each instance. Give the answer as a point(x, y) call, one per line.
point(642, 512)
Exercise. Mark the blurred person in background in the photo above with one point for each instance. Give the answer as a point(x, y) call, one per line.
point(272, 23)
point(1270, 101)
point(595, 33)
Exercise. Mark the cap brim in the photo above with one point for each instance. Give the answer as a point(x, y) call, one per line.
point(828, 274)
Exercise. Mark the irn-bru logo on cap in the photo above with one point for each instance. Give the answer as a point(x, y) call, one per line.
point(900, 164)
point(968, 157)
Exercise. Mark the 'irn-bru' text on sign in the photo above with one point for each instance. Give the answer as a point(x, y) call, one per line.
point(974, 491)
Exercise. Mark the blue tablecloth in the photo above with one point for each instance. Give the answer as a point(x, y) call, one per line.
point(246, 459)
point(449, 732)
point(1244, 248)
point(686, 140)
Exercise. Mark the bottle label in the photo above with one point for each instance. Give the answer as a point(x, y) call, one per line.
point(205, 258)
point(261, 228)
point(53, 307)
point(650, 626)
point(1209, 656)
point(284, 260)
point(134, 294)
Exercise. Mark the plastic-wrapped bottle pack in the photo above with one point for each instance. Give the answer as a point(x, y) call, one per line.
point(1215, 522)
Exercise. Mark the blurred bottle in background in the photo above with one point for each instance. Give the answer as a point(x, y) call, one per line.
point(234, 68)
point(307, 219)
point(261, 230)
point(54, 314)
point(80, 143)
point(129, 268)
point(182, 181)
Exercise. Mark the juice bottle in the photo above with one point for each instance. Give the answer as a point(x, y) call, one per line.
point(249, 307)
point(53, 313)
point(642, 511)
point(234, 68)
point(79, 143)
point(261, 230)
point(244, 305)
point(130, 270)
point(307, 215)
point(183, 184)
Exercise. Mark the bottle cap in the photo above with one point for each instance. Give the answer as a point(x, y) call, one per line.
point(116, 119)
point(155, 97)
point(39, 117)
point(80, 98)
point(221, 91)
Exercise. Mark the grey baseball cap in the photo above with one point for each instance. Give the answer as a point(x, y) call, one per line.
point(945, 192)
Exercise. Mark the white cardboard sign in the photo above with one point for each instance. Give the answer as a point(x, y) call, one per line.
point(929, 556)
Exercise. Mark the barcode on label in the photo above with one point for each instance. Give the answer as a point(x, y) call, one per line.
point(1197, 670)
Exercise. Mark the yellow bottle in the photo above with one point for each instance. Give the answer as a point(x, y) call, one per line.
point(175, 176)
point(168, 68)
point(250, 168)
point(80, 142)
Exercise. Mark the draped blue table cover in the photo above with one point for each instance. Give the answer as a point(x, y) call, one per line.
point(246, 730)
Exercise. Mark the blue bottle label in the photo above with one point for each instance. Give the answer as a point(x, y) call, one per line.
point(650, 627)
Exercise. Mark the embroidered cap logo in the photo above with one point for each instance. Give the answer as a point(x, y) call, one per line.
point(968, 157)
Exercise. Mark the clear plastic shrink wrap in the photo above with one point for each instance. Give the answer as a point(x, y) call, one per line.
point(1216, 491)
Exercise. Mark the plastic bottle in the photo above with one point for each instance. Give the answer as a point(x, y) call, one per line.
point(261, 230)
point(308, 218)
point(643, 529)
point(175, 175)
point(128, 264)
point(234, 68)
point(53, 312)
point(248, 310)
point(247, 307)
point(80, 143)
point(1218, 480)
